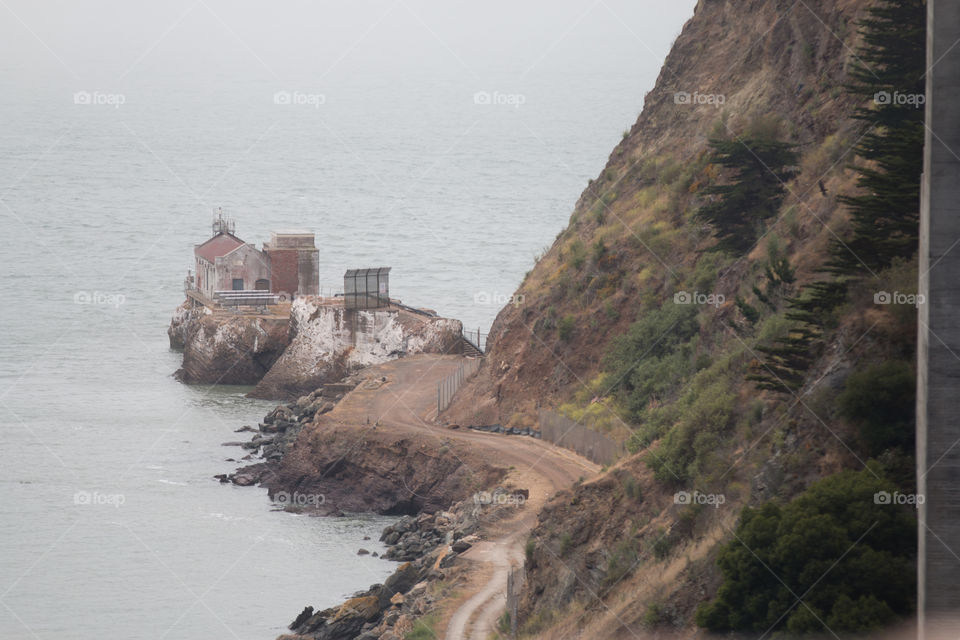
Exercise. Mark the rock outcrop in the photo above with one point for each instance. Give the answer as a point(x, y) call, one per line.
point(431, 546)
point(375, 471)
point(369, 469)
point(287, 357)
point(225, 348)
point(329, 342)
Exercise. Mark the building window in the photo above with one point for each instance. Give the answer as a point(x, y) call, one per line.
point(238, 284)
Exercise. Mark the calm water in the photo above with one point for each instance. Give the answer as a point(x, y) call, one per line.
point(389, 165)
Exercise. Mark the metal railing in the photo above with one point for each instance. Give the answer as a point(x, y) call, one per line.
point(422, 312)
point(246, 298)
point(477, 338)
point(449, 386)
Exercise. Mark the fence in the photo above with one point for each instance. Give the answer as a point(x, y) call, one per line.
point(447, 387)
point(244, 298)
point(366, 288)
point(564, 432)
point(477, 339)
point(515, 581)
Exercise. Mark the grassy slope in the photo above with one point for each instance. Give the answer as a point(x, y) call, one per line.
point(617, 552)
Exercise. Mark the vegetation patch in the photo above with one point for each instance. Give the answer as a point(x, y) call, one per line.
point(834, 559)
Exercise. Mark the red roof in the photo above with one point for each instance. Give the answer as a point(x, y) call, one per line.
point(219, 245)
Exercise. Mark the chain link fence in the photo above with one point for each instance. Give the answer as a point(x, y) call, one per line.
point(449, 386)
point(564, 432)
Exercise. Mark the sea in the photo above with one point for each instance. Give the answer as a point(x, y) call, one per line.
point(449, 142)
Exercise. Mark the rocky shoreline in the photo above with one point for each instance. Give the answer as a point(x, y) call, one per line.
point(278, 432)
point(427, 541)
point(430, 546)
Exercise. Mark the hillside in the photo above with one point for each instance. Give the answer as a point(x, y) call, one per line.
point(632, 324)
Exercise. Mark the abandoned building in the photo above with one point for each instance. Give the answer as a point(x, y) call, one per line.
point(288, 266)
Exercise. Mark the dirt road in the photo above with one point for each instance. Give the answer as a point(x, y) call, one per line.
point(407, 399)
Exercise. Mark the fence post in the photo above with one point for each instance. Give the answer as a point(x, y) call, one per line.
point(510, 599)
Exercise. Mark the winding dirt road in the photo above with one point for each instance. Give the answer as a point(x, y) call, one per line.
point(407, 400)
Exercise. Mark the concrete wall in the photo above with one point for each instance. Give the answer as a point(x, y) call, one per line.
point(308, 272)
point(205, 278)
point(283, 266)
point(938, 349)
point(246, 263)
point(295, 271)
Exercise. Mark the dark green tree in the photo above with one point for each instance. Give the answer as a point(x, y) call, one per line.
point(888, 72)
point(835, 558)
point(736, 210)
point(881, 402)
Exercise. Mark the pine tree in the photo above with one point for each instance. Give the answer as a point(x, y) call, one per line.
point(737, 210)
point(888, 71)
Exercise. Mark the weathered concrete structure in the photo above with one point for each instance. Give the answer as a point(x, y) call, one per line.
point(938, 348)
point(294, 263)
point(289, 264)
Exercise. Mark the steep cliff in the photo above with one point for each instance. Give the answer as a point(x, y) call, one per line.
point(328, 342)
point(225, 349)
point(630, 242)
point(634, 326)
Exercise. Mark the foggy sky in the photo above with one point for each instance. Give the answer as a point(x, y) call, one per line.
point(116, 43)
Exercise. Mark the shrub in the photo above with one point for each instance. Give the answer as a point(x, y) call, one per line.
point(880, 401)
point(654, 356)
point(503, 623)
point(661, 544)
point(653, 615)
point(578, 254)
point(631, 487)
point(706, 414)
point(565, 327)
point(529, 548)
point(621, 562)
point(850, 557)
point(423, 629)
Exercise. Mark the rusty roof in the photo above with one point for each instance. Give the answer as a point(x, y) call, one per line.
point(219, 245)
